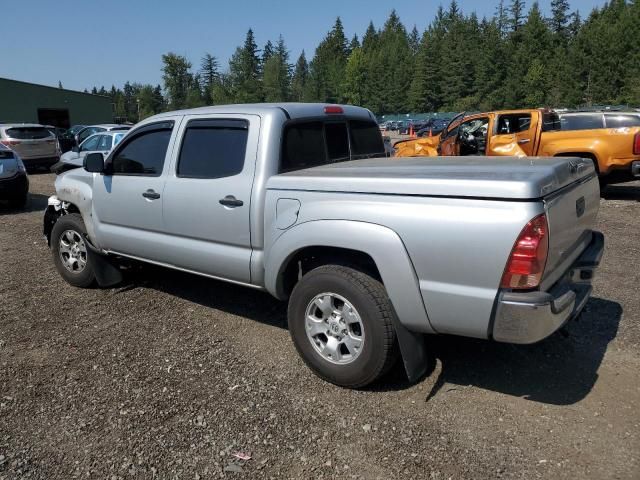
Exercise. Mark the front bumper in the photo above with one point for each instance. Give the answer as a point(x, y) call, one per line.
point(531, 316)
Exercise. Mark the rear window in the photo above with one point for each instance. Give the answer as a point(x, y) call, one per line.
point(28, 133)
point(514, 123)
point(619, 121)
point(550, 122)
point(311, 144)
point(581, 122)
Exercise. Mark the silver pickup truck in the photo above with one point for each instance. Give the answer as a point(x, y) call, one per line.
point(370, 252)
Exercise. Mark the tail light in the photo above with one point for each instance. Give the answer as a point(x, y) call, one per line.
point(10, 143)
point(636, 144)
point(528, 257)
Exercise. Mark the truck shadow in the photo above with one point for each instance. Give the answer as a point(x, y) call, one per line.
point(560, 370)
point(621, 192)
point(36, 202)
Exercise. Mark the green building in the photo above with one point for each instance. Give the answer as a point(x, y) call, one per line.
point(22, 102)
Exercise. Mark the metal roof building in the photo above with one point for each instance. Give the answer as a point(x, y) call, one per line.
point(31, 103)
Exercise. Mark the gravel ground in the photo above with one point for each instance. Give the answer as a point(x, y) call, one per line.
point(170, 375)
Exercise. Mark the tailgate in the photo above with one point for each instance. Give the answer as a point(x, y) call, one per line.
point(571, 214)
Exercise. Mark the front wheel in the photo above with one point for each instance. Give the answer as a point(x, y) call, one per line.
point(341, 322)
point(69, 250)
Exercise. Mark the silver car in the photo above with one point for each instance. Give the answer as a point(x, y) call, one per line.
point(98, 142)
point(36, 145)
point(89, 130)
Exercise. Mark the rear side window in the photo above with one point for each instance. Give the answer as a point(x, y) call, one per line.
point(366, 140)
point(619, 121)
point(303, 147)
point(516, 123)
point(144, 152)
point(550, 122)
point(213, 148)
point(581, 122)
point(28, 133)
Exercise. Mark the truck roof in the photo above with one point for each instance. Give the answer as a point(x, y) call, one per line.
point(290, 109)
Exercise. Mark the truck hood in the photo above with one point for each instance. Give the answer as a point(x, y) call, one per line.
point(482, 177)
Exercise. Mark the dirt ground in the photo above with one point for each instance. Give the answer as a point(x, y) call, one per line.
point(170, 375)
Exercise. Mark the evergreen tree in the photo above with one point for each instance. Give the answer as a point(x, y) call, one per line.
point(326, 71)
point(355, 43)
point(244, 72)
point(176, 76)
point(559, 20)
point(267, 52)
point(299, 80)
point(355, 77)
point(277, 74)
point(414, 41)
point(210, 74)
point(516, 10)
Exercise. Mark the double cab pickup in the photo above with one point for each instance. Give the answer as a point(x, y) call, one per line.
point(370, 253)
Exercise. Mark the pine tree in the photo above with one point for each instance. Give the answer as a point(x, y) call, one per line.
point(244, 72)
point(414, 41)
point(559, 18)
point(299, 80)
point(355, 77)
point(326, 71)
point(210, 74)
point(267, 52)
point(353, 44)
point(516, 10)
point(277, 74)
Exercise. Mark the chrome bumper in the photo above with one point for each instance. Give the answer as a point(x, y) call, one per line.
point(529, 317)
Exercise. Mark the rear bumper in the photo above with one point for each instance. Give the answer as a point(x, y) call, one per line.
point(14, 187)
point(532, 316)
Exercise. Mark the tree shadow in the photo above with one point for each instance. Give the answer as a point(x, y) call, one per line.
point(36, 202)
point(560, 370)
point(621, 192)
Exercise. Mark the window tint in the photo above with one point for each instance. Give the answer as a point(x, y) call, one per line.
point(581, 122)
point(90, 144)
point(550, 122)
point(366, 140)
point(143, 154)
point(28, 133)
point(508, 124)
point(303, 147)
point(104, 144)
point(213, 148)
point(337, 141)
point(618, 121)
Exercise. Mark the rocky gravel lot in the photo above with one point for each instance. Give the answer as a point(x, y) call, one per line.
point(176, 376)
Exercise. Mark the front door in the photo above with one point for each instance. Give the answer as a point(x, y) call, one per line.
point(208, 195)
point(127, 200)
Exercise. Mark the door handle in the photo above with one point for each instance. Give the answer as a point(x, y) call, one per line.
point(151, 194)
point(523, 141)
point(231, 201)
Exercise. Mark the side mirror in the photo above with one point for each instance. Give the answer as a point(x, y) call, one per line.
point(94, 163)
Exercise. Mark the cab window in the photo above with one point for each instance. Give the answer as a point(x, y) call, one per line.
point(587, 121)
point(513, 123)
point(90, 144)
point(144, 152)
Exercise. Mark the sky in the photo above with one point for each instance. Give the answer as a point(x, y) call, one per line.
point(87, 43)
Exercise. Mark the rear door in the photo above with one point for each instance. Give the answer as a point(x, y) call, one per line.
point(127, 201)
point(207, 196)
point(514, 134)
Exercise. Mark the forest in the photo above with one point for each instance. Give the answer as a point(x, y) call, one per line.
point(517, 58)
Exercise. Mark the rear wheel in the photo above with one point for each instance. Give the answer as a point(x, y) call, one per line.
point(69, 250)
point(341, 322)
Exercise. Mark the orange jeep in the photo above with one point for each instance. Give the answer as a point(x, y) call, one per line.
point(523, 133)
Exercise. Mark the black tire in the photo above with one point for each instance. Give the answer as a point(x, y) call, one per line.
point(369, 297)
point(73, 221)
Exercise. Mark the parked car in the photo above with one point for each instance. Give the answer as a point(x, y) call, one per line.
point(84, 133)
point(98, 142)
point(36, 146)
point(432, 127)
point(14, 183)
point(65, 140)
point(615, 152)
point(370, 253)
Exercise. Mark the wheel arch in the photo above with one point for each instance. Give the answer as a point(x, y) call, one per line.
point(374, 249)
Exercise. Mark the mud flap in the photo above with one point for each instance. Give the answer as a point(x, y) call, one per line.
point(107, 274)
point(413, 350)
